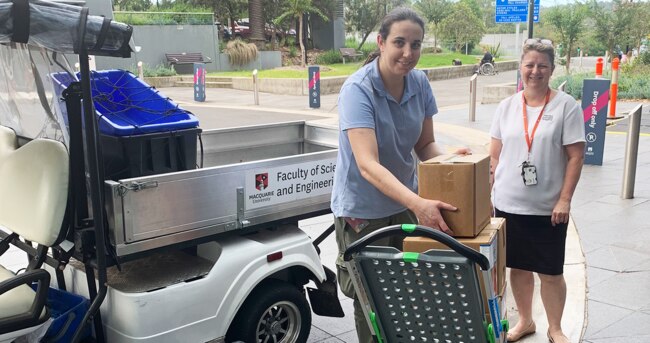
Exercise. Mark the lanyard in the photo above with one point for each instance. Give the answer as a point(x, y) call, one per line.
point(529, 138)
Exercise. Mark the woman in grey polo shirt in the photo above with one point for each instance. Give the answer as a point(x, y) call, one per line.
point(385, 111)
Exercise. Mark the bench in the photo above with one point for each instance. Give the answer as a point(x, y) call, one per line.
point(349, 53)
point(186, 58)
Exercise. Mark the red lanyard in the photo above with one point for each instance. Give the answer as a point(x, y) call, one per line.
point(529, 139)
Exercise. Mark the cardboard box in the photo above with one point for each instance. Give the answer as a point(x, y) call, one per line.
point(490, 242)
point(463, 181)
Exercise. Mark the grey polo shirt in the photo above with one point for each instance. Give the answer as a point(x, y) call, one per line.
point(364, 103)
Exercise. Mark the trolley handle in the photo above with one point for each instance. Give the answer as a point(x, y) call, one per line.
point(408, 230)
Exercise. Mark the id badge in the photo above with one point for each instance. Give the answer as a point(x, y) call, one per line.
point(529, 174)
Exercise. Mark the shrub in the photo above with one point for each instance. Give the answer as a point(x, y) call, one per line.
point(159, 70)
point(633, 82)
point(494, 50)
point(573, 86)
point(369, 47)
point(431, 50)
point(329, 57)
point(293, 51)
point(290, 41)
point(644, 58)
point(240, 53)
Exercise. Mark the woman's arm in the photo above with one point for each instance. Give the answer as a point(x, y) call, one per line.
point(366, 154)
point(575, 153)
point(495, 152)
point(426, 147)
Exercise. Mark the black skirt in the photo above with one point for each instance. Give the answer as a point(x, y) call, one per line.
point(533, 244)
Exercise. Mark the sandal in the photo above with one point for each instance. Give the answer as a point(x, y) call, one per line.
point(550, 338)
point(530, 329)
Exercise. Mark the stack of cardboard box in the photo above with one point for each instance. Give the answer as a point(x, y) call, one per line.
point(464, 181)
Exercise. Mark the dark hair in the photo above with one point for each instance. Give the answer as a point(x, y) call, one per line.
point(396, 15)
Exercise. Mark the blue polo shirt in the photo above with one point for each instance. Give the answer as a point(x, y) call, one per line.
point(365, 103)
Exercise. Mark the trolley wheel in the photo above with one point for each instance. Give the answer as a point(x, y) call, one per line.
point(505, 324)
point(275, 311)
point(490, 334)
point(487, 69)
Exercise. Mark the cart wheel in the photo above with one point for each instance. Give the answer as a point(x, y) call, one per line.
point(274, 312)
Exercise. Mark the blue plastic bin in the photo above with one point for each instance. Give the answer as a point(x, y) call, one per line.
point(126, 106)
point(66, 310)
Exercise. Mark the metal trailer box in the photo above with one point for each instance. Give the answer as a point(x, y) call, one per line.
point(251, 176)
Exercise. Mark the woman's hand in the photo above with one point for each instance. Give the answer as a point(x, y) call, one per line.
point(463, 151)
point(428, 213)
point(560, 212)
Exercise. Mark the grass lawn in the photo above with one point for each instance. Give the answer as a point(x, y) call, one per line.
point(340, 69)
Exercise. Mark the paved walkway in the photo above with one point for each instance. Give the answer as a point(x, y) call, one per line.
point(608, 263)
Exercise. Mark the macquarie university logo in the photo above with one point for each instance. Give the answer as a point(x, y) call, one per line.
point(261, 181)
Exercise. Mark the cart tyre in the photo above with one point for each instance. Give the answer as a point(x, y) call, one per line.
point(275, 310)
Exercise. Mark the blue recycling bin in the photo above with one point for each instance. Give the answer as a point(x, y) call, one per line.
point(66, 311)
point(142, 131)
point(126, 105)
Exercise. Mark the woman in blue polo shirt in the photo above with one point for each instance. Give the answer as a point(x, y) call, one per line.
point(385, 111)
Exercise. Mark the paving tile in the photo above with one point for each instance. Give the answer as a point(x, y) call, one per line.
point(337, 326)
point(589, 245)
point(597, 275)
point(600, 316)
point(330, 340)
point(317, 335)
point(615, 258)
point(625, 203)
point(627, 290)
point(630, 326)
point(349, 337)
point(640, 339)
point(594, 211)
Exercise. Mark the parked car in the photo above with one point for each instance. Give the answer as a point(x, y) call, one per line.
point(243, 31)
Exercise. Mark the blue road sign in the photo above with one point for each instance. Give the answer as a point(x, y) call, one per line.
point(515, 11)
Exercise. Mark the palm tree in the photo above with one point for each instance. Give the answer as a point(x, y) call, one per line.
point(257, 23)
point(297, 8)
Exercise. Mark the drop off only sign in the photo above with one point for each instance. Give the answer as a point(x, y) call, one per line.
point(515, 11)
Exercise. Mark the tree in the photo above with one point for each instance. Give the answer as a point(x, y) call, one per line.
point(363, 16)
point(257, 24)
point(434, 11)
point(640, 26)
point(568, 22)
point(132, 5)
point(462, 26)
point(297, 9)
point(610, 24)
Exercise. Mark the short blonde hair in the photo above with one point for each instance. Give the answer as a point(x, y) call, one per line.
point(543, 46)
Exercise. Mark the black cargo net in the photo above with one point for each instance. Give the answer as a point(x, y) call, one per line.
point(125, 101)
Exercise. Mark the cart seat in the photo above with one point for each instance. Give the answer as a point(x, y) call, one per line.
point(34, 188)
point(7, 141)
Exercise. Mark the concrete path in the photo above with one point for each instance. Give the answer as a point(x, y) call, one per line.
point(607, 265)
